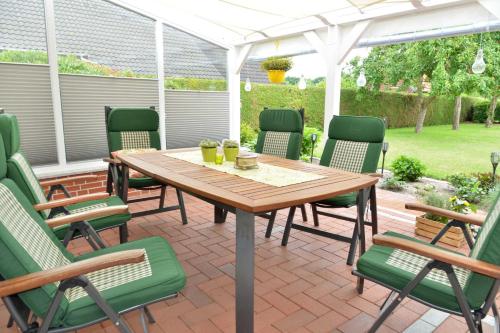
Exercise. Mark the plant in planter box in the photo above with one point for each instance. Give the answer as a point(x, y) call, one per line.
point(429, 225)
point(209, 149)
point(231, 149)
point(276, 68)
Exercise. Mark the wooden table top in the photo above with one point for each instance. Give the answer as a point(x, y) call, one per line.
point(245, 194)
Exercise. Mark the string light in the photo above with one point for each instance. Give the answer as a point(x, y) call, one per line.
point(361, 81)
point(248, 85)
point(302, 83)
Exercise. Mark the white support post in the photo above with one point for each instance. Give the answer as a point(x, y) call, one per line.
point(236, 57)
point(493, 6)
point(333, 76)
point(50, 31)
point(161, 82)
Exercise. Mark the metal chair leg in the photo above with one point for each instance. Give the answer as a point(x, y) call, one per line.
point(123, 230)
point(163, 193)
point(144, 322)
point(270, 224)
point(219, 215)
point(315, 215)
point(304, 213)
point(288, 226)
point(353, 246)
point(182, 208)
point(373, 209)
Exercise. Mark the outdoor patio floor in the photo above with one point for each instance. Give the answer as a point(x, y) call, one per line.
point(304, 287)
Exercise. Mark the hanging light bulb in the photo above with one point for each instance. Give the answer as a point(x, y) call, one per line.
point(302, 83)
point(248, 85)
point(479, 65)
point(361, 81)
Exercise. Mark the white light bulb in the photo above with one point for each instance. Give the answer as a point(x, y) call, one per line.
point(248, 85)
point(479, 65)
point(302, 83)
point(361, 81)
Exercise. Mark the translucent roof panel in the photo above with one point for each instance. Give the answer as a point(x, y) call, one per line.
point(238, 21)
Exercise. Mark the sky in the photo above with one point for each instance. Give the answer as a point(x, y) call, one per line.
point(313, 66)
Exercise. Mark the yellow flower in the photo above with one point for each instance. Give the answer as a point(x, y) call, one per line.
point(466, 203)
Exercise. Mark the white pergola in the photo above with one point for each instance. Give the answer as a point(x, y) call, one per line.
point(332, 28)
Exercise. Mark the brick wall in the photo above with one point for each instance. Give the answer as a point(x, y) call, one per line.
point(91, 186)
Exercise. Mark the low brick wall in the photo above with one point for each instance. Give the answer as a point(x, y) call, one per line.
point(92, 186)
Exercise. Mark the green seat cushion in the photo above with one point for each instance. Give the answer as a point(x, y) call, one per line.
point(100, 223)
point(343, 200)
point(397, 268)
point(166, 277)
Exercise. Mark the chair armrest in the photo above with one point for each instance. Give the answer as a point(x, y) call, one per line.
point(373, 174)
point(438, 254)
point(470, 219)
point(88, 215)
point(67, 180)
point(38, 279)
point(112, 160)
point(70, 201)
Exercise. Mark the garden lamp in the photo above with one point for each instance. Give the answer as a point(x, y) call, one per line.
point(314, 138)
point(248, 85)
point(495, 158)
point(385, 148)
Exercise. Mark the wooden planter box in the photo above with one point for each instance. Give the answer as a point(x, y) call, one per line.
point(429, 228)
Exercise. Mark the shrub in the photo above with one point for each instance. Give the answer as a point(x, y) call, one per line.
point(470, 188)
point(393, 184)
point(307, 142)
point(407, 168)
point(277, 63)
point(248, 136)
point(480, 112)
point(435, 199)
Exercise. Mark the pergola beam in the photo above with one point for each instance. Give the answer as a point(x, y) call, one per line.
point(350, 41)
point(317, 43)
point(242, 56)
point(493, 6)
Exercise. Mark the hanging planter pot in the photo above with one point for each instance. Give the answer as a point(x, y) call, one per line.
point(276, 68)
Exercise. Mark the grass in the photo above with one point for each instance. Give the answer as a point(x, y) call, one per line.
point(445, 152)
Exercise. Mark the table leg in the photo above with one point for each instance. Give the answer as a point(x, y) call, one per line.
point(245, 246)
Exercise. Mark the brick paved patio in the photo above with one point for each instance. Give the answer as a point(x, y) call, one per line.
point(305, 287)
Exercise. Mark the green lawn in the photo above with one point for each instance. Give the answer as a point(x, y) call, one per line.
point(445, 152)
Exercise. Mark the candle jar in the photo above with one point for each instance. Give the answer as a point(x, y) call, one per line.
point(219, 157)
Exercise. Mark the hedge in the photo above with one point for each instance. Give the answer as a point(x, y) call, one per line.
point(480, 112)
point(399, 108)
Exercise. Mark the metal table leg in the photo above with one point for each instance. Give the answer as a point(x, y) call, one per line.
point(245, 245)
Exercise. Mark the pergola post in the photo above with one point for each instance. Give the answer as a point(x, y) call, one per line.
point(333, 76)
point(236, 57)
point(161, 82)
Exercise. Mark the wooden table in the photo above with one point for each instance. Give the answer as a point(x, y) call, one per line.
point(247, 198)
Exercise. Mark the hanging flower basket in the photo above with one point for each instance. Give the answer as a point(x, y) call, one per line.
point(276, 68)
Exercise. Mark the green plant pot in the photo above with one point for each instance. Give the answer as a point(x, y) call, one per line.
point(208, 154)
point(230, 153)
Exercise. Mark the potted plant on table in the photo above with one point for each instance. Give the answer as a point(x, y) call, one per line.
point(208, 149)
point(276, 68)
point(231, 149)
point(429, 225)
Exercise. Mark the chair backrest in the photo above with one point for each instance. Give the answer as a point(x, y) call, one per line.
point(280, 133)
point(354, 143)
point(18, 167)
point(132, 128)
point(27, 244)
point(486, 248)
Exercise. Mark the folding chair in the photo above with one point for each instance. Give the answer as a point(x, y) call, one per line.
point(19, 170)
point(354, 145)
point(131, 129)
point(442, 279)
point(47, 289)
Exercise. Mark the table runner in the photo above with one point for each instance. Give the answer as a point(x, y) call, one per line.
point(266, 173)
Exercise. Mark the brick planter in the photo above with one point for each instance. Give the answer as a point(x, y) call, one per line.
point(429, 229)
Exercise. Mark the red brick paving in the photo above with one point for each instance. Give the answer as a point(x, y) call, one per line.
point(305, 287)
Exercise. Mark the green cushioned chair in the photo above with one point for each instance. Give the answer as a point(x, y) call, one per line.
point(19, 170)
point(66, 292)
point(354, 144)
point(445, 280)
point(136, 128)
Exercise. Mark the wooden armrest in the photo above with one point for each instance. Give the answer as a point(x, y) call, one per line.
point(373, 174)
point(38, 279)
point(112, 160)
point(88, 215)
point(431, 252)
point(471, 219)
point(67, 180)
point(70, 201)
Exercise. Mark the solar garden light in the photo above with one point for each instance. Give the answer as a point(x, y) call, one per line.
point(385, 148)
point(494, 158)
point(314, 138)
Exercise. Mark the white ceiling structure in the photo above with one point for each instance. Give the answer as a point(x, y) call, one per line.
point(332, 28)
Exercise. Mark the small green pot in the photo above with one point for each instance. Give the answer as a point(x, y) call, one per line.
point(208, 154)
point(230, 153)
